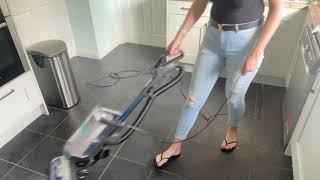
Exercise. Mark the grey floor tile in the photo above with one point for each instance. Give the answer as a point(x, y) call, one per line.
point(39, 159)
point(267, 133)
point(285, 175)
point(162, 175)
point(20, 145)
point(71, 123)
point(163, 115)
point(268, 158)
point(258, 173)
point(96, 170)
point(22, 174)
point(4, 168)
point(120, 169)
point(141, 148)
point(199, 161)
point(46, 123)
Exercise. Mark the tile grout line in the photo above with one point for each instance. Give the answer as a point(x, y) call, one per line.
point(31, 170)
point(17, 165)
point(6, 174)
point(150, 174)
point(172, 173)
point(106, 168)
point(57, 138)
point(35, 132)
point(67, 117)
point(130, 160)
point(110, 162)
point(168, 172)
point(26, 155)
point(249, 174)
point(46, 137)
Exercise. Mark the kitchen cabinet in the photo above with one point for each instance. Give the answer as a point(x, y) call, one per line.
point(21, 102)
point(143, 22)
point(304, 145)
point(176, 13)
point(280, 54)
point(308, 146)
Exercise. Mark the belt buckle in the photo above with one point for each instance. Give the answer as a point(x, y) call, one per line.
point(220, 26)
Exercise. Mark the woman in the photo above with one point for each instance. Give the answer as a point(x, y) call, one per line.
point(235, 41)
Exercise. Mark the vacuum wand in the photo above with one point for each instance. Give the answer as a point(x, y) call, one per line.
point(102, 127)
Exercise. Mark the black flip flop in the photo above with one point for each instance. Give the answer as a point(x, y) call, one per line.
point(168, 160)
point(225, 150)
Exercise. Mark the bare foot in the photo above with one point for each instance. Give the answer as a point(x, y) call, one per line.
point(230, 140)
point(173, 150)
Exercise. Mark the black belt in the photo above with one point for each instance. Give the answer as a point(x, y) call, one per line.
point(236, 27)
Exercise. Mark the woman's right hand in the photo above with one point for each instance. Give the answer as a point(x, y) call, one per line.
point(174, 47)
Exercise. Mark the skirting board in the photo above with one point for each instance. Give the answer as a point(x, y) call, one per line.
point(19, 125)
point(260, 78)
point(104, 52)
point(97, 55)
point(87, 53)
point(296, 162)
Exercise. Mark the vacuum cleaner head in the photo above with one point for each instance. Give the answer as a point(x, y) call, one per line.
point(61, 169)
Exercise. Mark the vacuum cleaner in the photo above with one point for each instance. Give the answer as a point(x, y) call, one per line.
point(104, 127)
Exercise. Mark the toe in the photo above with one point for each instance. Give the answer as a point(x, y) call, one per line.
point(223, 145)
point(158, 159)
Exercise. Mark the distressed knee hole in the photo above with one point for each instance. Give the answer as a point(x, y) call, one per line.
point(236, 102)
point(192, 102)
point(204, 50)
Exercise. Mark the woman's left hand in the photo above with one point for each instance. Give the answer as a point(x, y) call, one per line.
point(251, 62)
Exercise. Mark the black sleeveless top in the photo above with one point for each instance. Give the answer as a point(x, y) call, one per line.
point(236, 11)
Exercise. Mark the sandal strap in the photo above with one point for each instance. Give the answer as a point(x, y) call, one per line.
point(227, 143)
point(163, 158)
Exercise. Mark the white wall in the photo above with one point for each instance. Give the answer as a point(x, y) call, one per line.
point(38, 20)
point(106, 24)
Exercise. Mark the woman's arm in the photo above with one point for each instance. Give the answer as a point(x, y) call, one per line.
point(193, 15)
point(271, 25)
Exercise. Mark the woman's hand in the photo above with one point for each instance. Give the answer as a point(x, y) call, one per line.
point(174, 47)
point(251, 62)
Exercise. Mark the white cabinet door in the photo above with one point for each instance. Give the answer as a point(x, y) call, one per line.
point(182, 8)
point(144, 22)
point(193, 40)
point(18, 98)
point(309, 145)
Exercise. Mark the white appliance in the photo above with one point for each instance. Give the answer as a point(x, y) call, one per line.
point(304, 83)
point(301, 109)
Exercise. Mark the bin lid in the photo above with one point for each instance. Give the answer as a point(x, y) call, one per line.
point(48, 48)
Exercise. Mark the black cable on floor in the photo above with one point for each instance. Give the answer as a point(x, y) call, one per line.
point(118, 77)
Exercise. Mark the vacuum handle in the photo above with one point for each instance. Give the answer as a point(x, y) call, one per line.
point(170, 65)
point(162, 61)
point(176, 59)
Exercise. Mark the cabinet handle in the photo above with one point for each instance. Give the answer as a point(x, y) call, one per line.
point(2, 25)
point(184, 9)
point(6, 95)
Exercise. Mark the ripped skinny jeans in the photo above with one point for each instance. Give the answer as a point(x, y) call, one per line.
point(219, 50)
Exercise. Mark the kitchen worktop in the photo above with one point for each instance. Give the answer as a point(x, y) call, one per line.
point(293, 5)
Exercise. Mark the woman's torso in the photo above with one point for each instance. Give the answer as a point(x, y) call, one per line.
point(236, 11)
